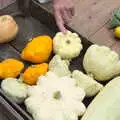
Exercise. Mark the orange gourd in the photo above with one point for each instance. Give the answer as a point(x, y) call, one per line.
point(38, 50)
point(10, 68)
point(32, 73)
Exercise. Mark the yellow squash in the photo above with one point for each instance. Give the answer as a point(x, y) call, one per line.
point(38, 50)
point(10, 68)
point(32, 73)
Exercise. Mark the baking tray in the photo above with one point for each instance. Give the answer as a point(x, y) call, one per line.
point(33, 20)
point(7, 112)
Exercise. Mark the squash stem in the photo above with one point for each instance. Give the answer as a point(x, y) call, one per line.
point(57, 95)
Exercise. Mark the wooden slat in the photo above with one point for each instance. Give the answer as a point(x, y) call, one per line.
point(103, 37)
point(106, 37)
point(91, 15)
point(116, 46)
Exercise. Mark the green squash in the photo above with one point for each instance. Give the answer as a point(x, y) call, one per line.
point(106, 105)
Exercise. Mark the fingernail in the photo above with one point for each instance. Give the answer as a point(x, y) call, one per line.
point(64, 31)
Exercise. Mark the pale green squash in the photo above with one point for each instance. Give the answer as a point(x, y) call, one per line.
point(106, 105)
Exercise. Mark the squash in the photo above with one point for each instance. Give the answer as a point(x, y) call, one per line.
point(10, 68)
point(14, 89)
point(101, 62)
point(31, 74)
point(106, 105)
point(59, 66)
point(91, 86)
point(8, 28)
point(38, 50)
point(68, 45)
point(55, 98)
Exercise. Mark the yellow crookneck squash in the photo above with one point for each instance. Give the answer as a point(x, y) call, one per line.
point(38, 50)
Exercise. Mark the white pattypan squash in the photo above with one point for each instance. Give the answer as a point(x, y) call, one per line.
point(67, 45)
point(55, 98)
point(59, 67)
point(101, 62)
point(90, 86)
point(14, 89)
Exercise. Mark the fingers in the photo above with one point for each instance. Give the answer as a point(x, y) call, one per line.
point(63, 11)
point(70, 11)
point(65, 15)
point(60, 21)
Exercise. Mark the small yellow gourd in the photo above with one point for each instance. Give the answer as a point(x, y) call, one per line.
point(32, 73)
point(10, 68)
point(38, 50)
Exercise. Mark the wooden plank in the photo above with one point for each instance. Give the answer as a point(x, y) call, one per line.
point(103, 37)
point(91, 15)
point(106, 37)
point(116, 46)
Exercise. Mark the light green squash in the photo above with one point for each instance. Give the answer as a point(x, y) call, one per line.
point(106, 105)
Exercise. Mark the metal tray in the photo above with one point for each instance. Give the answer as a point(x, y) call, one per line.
point(33, 20)
point(7, 112)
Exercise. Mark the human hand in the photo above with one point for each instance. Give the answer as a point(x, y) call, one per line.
point(63, 11)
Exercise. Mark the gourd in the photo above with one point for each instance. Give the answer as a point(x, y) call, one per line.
point(55, 98)
point(59, 67)
point(8, 28)
point(67, 45)
point(10, 68)
point(14, 89)
point(38, 50)
point(91, 86)
point(32, 73)
point(101, 62)
point(106, 105)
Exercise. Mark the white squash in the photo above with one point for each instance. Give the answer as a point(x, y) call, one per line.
point(67, 45)
point(8, 28)
point(59, 67)
point(106, 105)
point(14, 89)
point(90, 86)
point(101, 62)
point(55, 98)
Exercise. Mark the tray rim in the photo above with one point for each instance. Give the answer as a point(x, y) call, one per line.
point(9, 107)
